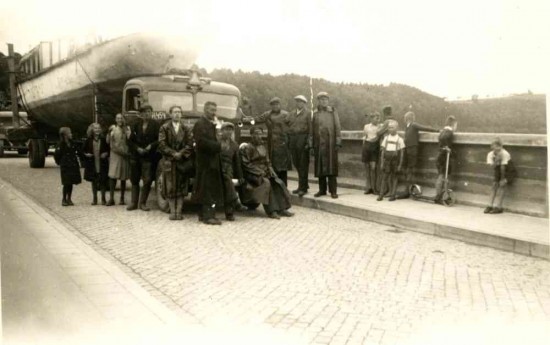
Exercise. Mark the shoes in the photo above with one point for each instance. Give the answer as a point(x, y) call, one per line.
point(380, 198)
point(370, 191)
point(392, 198)
point(94, 202)
point(212, 221)
point(296, 191)
point(144, 207)
point(70, 202)
point(64, 203)
point(286, 213)
point(111, 202)
point(302, 193)
point(273, 215)
point(131, 207)
point(488, 209)
point(318, 194)
point(438, 202)
point(103, 202)
point(122, 202)
point(172, 216)
point(230, 217)
point(496, 210)
point(334, 196)
point(241, 208)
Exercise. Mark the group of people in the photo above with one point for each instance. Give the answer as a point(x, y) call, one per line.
point(240, 177)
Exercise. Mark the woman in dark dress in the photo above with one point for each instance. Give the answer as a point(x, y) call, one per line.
point(66, 156)
point(96, 162)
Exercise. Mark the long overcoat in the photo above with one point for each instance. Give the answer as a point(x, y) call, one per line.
point(231, 168)
point(66, 156)
point(89, 162)
point(208, 187)
point(175, 173)
point(325, 137)
point(278, 142)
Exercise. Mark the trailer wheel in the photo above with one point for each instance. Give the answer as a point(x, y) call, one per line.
point(37, 153)
point(159, 186)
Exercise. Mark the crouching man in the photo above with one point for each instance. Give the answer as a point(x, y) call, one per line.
point(262, 186)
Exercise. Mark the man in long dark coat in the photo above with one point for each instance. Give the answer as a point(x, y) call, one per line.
point(325, 139)
point(143, 143)
point(299, 123)
point(278, 143)
point(209, 188)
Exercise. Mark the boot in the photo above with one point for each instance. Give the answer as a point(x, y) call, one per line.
point(112, 185)
point(179, 208)
point(172, 203)
point(122, 191)
point(135, 197)
point(143, 198)
point(94, 193)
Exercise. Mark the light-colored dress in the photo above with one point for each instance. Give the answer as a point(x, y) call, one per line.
point(119, 163)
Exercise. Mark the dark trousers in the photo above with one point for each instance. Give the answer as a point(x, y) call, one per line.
point(332, 184)
point(300, 159)
point(283, 176)
point(140, 169)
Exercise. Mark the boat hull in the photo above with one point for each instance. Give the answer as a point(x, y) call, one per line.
point(66, 93)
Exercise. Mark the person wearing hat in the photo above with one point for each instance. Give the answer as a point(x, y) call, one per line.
point(262, 186)
point(143, 143)
point(325, 139)
point(277, 138)
point(299, 123)
point(231, 169)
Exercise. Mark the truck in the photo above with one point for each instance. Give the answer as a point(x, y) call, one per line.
point(59, 86)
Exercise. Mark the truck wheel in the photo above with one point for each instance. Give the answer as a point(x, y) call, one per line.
point(37, 153)
point(161, 200)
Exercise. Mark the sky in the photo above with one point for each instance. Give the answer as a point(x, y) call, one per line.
point(447, 48)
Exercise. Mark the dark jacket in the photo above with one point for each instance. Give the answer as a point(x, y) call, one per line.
point(89, 162)
point(208, 188)
point(140, 138)
point(299, 123)
point(278, 142)
point(411, 133)
point(67, 158)
point(446, 138)
point(326, 138)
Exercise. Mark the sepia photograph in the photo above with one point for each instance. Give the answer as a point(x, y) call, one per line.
point(292, 172)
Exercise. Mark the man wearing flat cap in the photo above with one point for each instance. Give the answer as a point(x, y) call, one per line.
point(325, 139)
point(277, 138)
point(299, 123)
point(143, 143)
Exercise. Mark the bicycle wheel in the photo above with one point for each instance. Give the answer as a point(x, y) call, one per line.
point(448, 198)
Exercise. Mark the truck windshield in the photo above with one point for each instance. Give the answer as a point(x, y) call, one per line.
point(161, 101)
point(227, 104)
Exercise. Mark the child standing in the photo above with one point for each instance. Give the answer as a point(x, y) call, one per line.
point(500, 159)
point(392, 160)
point(66, 156)
point(96, 166)
point(445, 143)
point(370, 152)
point(412, 130)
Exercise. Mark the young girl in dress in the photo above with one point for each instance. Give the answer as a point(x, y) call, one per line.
point(96, 164)
point(66, 156)
point(119, 158)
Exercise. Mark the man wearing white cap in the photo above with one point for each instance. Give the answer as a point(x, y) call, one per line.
point(299, 122)
point(325, 139)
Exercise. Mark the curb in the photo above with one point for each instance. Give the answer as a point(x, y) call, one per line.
point(428, 227)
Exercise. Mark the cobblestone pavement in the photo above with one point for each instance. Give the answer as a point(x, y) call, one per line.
point(324, 278)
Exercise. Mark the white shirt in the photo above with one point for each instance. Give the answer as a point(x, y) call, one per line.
point(502, 158)
point(370, 131)
point(176, 126)
point(393, 143)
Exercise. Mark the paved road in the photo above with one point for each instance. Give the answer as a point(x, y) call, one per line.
point(327, 278)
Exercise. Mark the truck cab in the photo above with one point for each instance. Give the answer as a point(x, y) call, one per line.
point(189, 91)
